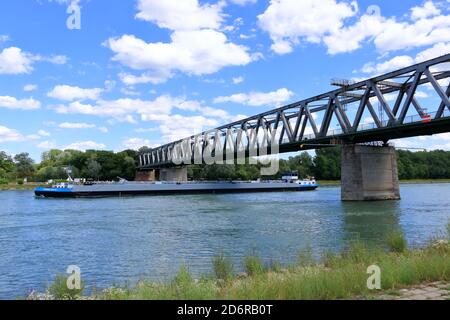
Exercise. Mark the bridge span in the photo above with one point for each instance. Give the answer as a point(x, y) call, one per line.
point(413, 101)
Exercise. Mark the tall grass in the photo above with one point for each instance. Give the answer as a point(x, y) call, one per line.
point(397, 242)
point(222, 267)
point(253, 265)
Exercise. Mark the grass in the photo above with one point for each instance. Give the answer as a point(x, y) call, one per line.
point(338, 276)
point(397, 242)
point(222, 267)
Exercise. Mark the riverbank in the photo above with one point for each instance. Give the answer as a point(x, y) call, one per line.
point(411, 181)
point(336, 276)
point(19, 187)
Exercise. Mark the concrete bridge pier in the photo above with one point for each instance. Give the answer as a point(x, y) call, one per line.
point(369, 173)
point(173, 174)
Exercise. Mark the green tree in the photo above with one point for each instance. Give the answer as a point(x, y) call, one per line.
point(24, 165)
point(93, 169)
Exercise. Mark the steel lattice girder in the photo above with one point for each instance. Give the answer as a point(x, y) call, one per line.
point(286, 126)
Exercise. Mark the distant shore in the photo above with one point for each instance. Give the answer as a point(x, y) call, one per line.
point(32, 186)
point(411, 181)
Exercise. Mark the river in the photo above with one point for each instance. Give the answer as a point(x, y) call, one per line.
point(122, 240)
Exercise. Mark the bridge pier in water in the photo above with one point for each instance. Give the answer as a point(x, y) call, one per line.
point(178, 174)
point(369, 173)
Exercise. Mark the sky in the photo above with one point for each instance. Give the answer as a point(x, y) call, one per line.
point(113, 75)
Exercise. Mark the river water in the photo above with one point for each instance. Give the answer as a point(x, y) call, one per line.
point(122, 240)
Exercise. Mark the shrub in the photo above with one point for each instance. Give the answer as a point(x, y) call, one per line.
point(3, 181)
point(20, 182)
point(60, 291)
point(253, 265)
point(223, 267)
point(397, 242)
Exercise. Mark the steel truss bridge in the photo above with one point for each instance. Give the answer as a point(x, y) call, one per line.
point(379, 109)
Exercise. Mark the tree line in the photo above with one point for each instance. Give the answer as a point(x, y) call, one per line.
point(107, 165)
point(56, 164)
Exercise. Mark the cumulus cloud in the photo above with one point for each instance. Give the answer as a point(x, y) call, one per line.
point(402, 61)
point(75, 125)
point(197, 44)
point(238, 80)
point(196, 52)
point(46, 145)
point(181, 15)
point(120, 109)
point(4, 38)
point(258, 98)
point(10, 135)
point(136, 143)
point(243, 2)
point(290, 22)
point(44, 133)
point(14, 61)
point(427, 10)
point(21, 104)
point(30, 87)
point(70, 93)
point(85, 145)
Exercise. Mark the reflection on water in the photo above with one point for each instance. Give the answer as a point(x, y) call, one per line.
point(115, 240)
point(371, 222)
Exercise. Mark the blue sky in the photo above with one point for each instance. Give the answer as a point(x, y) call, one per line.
point(145, 72)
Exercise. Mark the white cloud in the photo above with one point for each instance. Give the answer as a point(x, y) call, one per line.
point(135, 143)
point(243, 2)
point(22, 104)
point(75, 125)
point(46, 145)
point(195, 52)
point(122, 109)
point(238, 80)
point(392, 64)
point(70, 93)
point(4, 38)
point(399, 62)
point(258, 98)
point(427, 10)
point(181, 15)
point(197, 47)
point(131, 80)
point(85, 145)
point(175, 127)
point(14, 61)
point(290, 21)
point(30, 87)
point(44, 133)
point(10, 135)
point(59, 59)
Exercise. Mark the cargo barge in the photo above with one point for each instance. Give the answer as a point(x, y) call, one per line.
point(127, 188)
